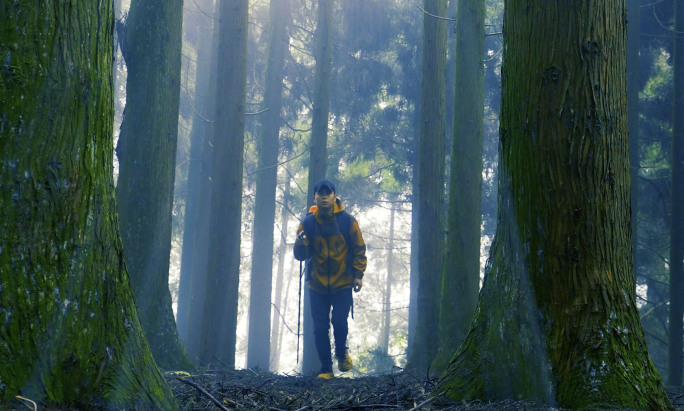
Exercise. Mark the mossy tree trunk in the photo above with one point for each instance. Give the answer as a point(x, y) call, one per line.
point(147, 160)
point(461, 275)
point(318, 158)
point(69, 331)
point(431, 177)
point(258, 351)
point(557, 320)
point(219, 317)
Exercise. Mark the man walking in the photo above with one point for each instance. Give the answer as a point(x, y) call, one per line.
point(330, 240)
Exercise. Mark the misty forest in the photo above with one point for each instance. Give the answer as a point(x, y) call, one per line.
point(516, 168)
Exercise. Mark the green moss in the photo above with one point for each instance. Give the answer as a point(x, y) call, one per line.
point(561, 278)
point(68, 316)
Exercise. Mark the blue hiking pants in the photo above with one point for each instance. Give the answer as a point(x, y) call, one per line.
point(341, 303)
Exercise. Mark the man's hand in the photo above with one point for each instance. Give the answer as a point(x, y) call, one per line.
point(301, 239)
point(356, 286)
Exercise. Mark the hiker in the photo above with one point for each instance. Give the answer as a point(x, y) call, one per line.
point(330, 241)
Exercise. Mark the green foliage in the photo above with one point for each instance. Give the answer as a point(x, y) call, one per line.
point(654, 199)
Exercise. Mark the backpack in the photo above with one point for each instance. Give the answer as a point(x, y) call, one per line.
point(344, 221)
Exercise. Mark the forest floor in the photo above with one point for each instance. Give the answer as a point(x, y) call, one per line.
point(259, 390)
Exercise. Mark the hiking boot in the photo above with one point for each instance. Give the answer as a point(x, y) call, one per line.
point(345, 363)
point(325, 375)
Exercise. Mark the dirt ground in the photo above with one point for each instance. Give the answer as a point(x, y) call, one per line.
point(259, 390)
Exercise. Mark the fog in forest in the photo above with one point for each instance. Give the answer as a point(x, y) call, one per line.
point(372, 158)
point(196, 192)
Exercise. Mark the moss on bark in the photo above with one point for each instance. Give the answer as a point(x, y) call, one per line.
point(69, 332)
point(562, 260)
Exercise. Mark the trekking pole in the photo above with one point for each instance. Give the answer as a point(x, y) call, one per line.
point(299, 308)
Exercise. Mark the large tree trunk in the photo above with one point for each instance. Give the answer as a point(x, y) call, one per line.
point(69, 332)
point(219, 319)
point(677, 209)
point(557, 320)
point(147, 166)
point(318, 158)
point(258, 351)
point(461, 276)
point(431, 168)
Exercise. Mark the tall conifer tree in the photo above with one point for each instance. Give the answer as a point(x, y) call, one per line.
point(219, 317)
point(557, 321)
point(318, 159)
point(147, 166)
point(431, 178)
point(461, 271)
point(193, 267)
point(258, 351)
point(69, 331)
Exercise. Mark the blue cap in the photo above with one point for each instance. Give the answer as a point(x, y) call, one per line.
point(324, 183)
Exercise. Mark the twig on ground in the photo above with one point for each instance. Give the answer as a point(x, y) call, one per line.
point(33, 403)
point(211, 397)
point(423, 404)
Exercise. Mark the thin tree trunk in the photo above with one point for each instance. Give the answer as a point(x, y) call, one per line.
point(69, 330)
point(259, 333)
point(147, 160)
point(414, 272)
point(318, 159)
point(461, 273)
point(195, 225)
point(202, 244)
point(431, 176)
point(387, 305)
point(284, 311)
point(278, 299)
point(219, 318)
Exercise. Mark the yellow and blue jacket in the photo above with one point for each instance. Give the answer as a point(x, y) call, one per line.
point(334, 258)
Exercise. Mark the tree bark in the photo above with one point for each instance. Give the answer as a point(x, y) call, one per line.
point(633, 44)
point(258, 351)
point(195, 222)
point(557, 321)
point(461, 275)
point(219, 319)
point(431, 174)
point(69, 331)
point(147, 166)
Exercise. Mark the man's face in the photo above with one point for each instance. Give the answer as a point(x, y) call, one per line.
point(324, 198)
